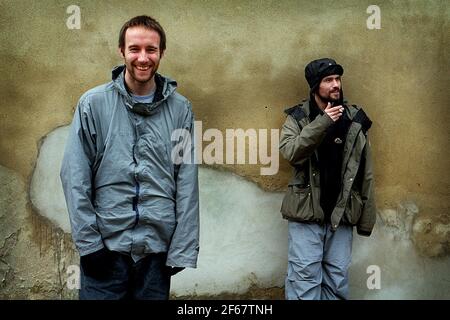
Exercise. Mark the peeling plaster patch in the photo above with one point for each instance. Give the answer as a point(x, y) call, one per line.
point(407, 271)
point(12, 211)
point(400, 220)
point(6, 274)
point(432, 238)
point(9, 243)
point(46, 192)
point(243, 239)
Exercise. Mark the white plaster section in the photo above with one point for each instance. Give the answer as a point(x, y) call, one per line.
point(243, 239)
point(46, 192)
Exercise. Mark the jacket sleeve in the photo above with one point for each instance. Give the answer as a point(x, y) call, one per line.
point(76, 178)
point(369, 213)
point(184, 246)
point(297, 145)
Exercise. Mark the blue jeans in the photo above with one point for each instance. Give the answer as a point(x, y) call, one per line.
point(146, 279)
point(318, 261)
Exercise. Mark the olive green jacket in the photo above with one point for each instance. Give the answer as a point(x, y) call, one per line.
point(299, 141)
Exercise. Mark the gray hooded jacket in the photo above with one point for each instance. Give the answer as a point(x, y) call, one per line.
point(122, 188)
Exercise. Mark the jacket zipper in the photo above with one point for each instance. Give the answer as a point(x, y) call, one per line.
point(136, 198)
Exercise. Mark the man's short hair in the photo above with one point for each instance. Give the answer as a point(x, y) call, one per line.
point(146, 22)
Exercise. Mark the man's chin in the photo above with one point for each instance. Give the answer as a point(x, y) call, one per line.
point(333, 100)
point(329, 100)
point(334, 97)
point(143, 80)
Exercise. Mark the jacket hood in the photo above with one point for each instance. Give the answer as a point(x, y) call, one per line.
point(164, 88)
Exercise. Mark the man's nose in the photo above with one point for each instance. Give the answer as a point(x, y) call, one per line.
point(336, 83)
point(142, 56)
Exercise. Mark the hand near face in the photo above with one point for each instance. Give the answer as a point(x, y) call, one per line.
point(334, 112)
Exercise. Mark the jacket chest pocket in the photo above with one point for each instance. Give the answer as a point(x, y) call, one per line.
point(154, 165)
point(153, 150)
point(297, 203)
point(354, 208)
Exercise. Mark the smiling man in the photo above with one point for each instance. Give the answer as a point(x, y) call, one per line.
point(325, 139)
point(134, 212)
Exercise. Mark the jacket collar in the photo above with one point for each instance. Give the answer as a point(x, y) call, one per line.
point(164, 88)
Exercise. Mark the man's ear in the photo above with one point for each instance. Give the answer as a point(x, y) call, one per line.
point(120, 52)
point(162, 53)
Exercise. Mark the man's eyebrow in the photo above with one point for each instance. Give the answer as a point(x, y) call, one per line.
point(332, 77)
point(137, 46)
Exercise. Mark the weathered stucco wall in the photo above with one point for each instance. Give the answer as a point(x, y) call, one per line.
point(241, 63)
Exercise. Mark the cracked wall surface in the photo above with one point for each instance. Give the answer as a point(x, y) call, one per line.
point(240, 63)
point(34, 254)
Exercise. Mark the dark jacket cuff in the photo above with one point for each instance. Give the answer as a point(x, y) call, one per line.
point(364, 233)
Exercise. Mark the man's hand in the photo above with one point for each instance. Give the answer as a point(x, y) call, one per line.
point(334, 112)
point(99, 264)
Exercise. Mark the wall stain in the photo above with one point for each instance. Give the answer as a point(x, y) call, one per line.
point(254, 292)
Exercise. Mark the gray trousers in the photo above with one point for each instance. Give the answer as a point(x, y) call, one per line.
point(318, 261)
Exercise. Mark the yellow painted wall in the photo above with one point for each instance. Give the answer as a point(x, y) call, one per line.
point(241, 63)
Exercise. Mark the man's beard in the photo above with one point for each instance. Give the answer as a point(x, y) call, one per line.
point(145, 80)
point(329, 98)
